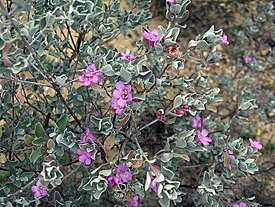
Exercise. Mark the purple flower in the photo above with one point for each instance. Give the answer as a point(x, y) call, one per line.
point(118, 109)
point(39, 190)
point(88, 136)
point(90, 77)
point(133, 202)
point(255, 145)
point(202, 137)
point(247, 59)
point(172, 1)
point(122, 174)
point(231, 157)
point(197, 122)
point(126, 56)
point(154, 187)
point(241, 204)
point(84, 156)
point(151, 35)
point(254, 60)
point(113, 180)
point(121, 95)
point(224, 40)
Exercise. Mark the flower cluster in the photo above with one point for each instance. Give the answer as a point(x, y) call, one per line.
point(133, 202)
point(231, 157)
point(255, 145)
point(161, 115)
point(151, 35)
point(197, 122)
point(121, 96)
point(201, 136)
point(127, 56)
point(184, 109)
point(88, 136)
point(84, 156)
point(91, 76)
point(224, 40)
point(241, 204)
point(121, 174)
point(248, 59)
point(39, 190)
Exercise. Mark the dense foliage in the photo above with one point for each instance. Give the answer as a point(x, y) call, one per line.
point(85, 125)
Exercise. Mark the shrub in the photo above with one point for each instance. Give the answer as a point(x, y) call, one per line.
point(113, 127)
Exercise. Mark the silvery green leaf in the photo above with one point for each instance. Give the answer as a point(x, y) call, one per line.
point(160, 188)
point(106, 173)
point(175, 65)
point(192, 43)
point(20, 65)
point(167, 173)
point(158, 48)
point(107, 70)
point(164, 202)
point(177, 102)
point(147, 182)
point(125, 75)
point(175, 8)
point(159, 178)
point(202, 45)
point(248, 105)
point(165, 157)
point(61, 80)
point(199, 105)
point(209, 32)
point(173, 34)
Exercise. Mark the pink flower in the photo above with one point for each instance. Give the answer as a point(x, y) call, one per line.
point(126, 56)
point(172, 1)
point(133, 202)
point(121, 95)
point(224, 40)
point(113, 180)
point(39, 190)
point(88, 136)
point(118, 109)
point(151, 35)
point(231, 157)
point(185, 107)
point(180, 112)
point(122, 173)
point(160, 114)
point(255, 145)
point(90, 77)
point(241, 204)
point(247, 59)
point(164, 118)
point(84, 156)
point(254, 60)
point(197, 122)
point(202, 137)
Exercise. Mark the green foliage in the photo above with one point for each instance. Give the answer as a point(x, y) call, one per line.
point(45, 109)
